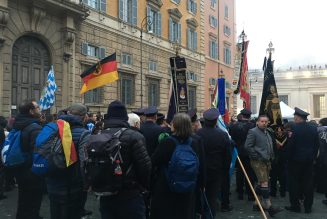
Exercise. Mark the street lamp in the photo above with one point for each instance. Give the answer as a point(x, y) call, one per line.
point(146, 22)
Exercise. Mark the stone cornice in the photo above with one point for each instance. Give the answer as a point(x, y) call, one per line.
point(157, 3)
point(175, 13)
point(192, 22)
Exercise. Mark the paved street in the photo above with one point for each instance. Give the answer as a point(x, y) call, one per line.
point(242, 209)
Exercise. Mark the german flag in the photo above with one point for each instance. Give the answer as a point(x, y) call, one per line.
point(100, 74)
point(67, 142)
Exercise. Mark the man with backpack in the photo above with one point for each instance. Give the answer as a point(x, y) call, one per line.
point(66, 187)
point(30, 186)
point(218, 156)
point(119, 166)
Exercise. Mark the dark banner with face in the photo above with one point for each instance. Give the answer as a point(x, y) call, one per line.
point(178, 66)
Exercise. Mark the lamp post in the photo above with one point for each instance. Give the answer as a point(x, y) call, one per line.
point(146, 22)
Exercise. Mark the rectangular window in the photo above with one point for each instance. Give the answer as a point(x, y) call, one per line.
point(153, 92)
point(192, 39)
point(283, 98)
point(213, 21)
point(227, 31)
point(191, 97)
point(96, 4)
point(176, 1)
point(213, 49)
point(152, 66)
point(226, 11)
point(127, 88)
point(128, 11)
point(95, 51)
point(212, 81)
point(174, 31)
point(319, 106)
point(227, 55)
point(154, 25)
point(253, 103)
point(192, 6)
point(126, 59)
point(93, 96)
point(213, 3)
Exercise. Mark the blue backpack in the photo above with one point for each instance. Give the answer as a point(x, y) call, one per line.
point(183, 168)
point(11, 151)
point(48, 156)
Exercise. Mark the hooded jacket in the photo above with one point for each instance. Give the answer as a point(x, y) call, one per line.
point(72, 180)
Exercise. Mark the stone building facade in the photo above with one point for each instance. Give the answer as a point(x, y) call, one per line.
point(72, 35)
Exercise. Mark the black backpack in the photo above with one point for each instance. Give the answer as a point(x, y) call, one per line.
point(103, 166)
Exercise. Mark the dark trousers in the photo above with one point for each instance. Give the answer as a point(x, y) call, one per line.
point(114, 207)
point(300, 183)
point(212, 190)
point(66, 206)
point(2, 179)
point(30, 191)
point(240, 177)
point(278, 173)
point(225, 190)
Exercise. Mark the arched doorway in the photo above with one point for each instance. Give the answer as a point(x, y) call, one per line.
point(30, 66)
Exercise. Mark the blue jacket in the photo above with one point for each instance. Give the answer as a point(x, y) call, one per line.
point(72, 180)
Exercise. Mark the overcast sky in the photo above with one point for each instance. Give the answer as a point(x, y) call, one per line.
point(297, 28)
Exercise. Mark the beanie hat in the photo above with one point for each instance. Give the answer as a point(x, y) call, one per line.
point(117, 110)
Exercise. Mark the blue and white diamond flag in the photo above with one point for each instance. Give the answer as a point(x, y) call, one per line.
point(48, 94)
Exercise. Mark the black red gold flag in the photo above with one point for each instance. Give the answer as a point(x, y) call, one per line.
point(100, 74)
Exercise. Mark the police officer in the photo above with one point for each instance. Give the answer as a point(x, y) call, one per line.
point(302, 150)
point(196, 125)
point(150, 129)
point(238, 132)
point(140, 113)
point(217, 155)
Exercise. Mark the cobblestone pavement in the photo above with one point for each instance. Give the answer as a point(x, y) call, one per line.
point(242, 209)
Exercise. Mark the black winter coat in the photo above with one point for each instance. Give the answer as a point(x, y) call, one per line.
point(165, 203)
point(30, 129)
point(322, 159)
point(303, 143)
point(151, 132)
point(134, 153)
point(238, 131)
point(217, 151)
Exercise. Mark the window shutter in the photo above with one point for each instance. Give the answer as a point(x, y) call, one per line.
point(195, 43)
point(84, 48)
point(134, 12)
point(195, 77)
point(103, 5)
point(210, 49)
point(189, 5)
point(189, 38)
point(210, 20)
point(195, 7)
point(170, 29)
point(159, 24)
point(179, 33)
point(85, 1)
point(121, 9)
point(102, 53)
point(148, 14)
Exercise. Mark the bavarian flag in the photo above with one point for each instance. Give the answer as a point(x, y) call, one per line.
point(67, 142)
point(100, 74)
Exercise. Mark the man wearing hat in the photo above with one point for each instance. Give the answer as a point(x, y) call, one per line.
point(128, 203)
point(302, 149)
point(238, 132)
point(150, 129)
point(217, 154)
point(140, 113)
point(196, 125)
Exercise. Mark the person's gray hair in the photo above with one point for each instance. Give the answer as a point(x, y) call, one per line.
point(133, 120)
point(182, 125)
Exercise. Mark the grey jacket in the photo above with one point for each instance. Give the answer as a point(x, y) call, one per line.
point(259, 145)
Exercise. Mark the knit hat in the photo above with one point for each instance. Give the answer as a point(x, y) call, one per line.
point(77, 109)
point(117, 110)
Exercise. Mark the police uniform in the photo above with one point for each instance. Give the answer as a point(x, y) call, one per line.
point(302, 149)
point(151, 130)
point(238, 132)
point(217, 155)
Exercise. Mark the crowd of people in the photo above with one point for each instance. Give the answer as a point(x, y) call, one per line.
point(142, 166)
